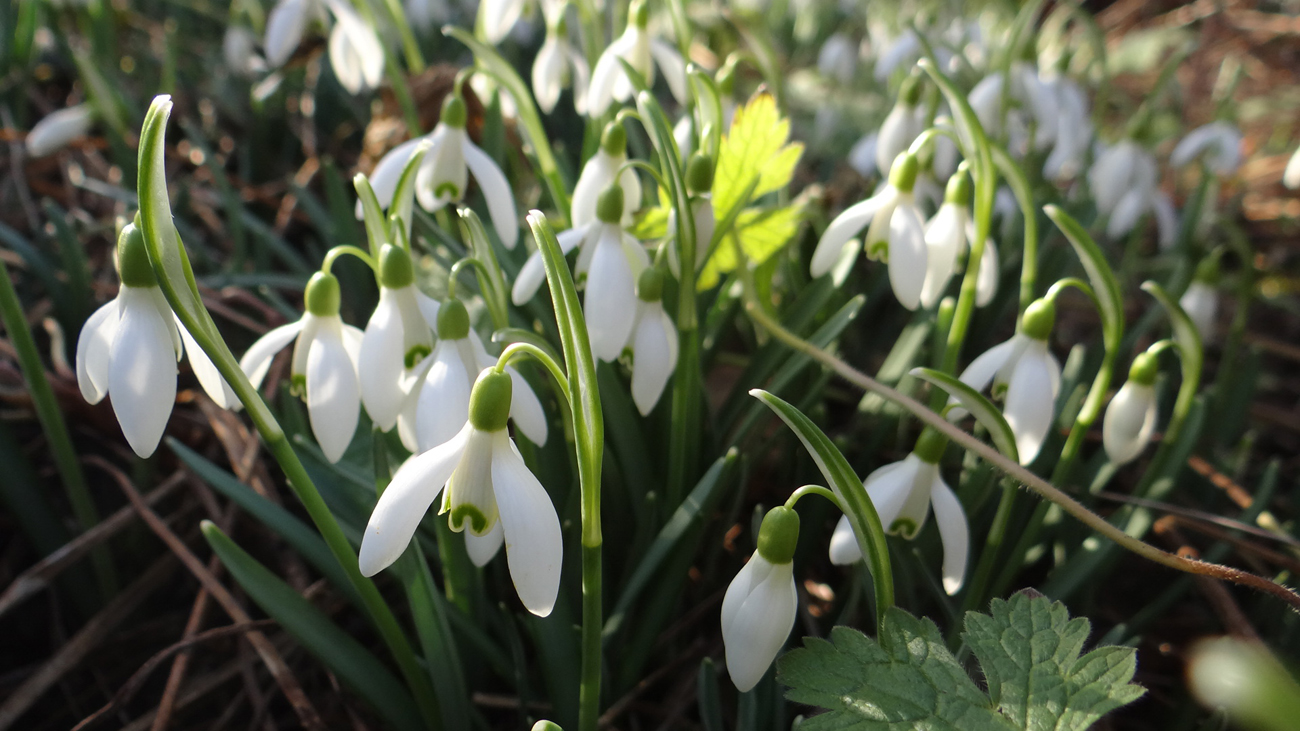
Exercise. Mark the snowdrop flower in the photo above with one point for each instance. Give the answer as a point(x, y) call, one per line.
point(1124, 183)
point(238, 47)
point(558, 63)
point(489, 490)
point(1201, 300)
point(59, 128)
point(1036, 104)
point(1073, 129)
point(1026, 374)
point(838, 58)
point(903, 493)
point(499, 18)
point(609, 81)
point(439, 401)
point(1217, 143)
point(598, 174)
point(129, 347)
point(444, 174)
point(758, 610)
point(612, 261)
point(1131, 416)
point(896, 233)
point(699, 184)
point(945, 239)
point(653, 343)
point(398, 337)
point(324, 369)
point(1291, 176)
point(902, 125)
point(355, 52)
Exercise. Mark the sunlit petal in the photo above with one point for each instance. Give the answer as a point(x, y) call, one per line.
point(333, 396)
point(534, 546)
point(141, 371)
point(93, 348)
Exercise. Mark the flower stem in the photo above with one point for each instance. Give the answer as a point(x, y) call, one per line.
point(333, 254)
point(806, 490)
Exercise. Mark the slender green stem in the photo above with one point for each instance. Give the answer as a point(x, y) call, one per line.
point(645, 166)
point(333, 254)
point(1029, 211)
point(56, 431)
point(491, 282)
point(519, 351)
point(459, 267)
point(806, 490)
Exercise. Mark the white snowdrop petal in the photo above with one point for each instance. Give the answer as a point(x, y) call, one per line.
point(907, 255)
point(58, 129)
point(581, 78)
point(601, 92)
point(526, 409)
point(1291, 175)
point(1030, 405)
point(954, 533)
point(94, 345)
point(844, 227)
point(1201, 303)
point(979, 374)
point(611, 297)
point(484, 548)
point(597, 175)
point(1128, 211)
point(412, 386)
point(213, 383)
point(442, 406)
point(889, 487)
point(141, 372)
point(284, 28)
point(496, 191)
point(333, 397)
point(257, 361)
point(986, 282)
point(534, 546)
point(945, 237)
point(428, 308)
point(844, 548)
point(499, 17)
point(652, 351)
point(896, 134)
point(673, 68)
point(444, 165)
point(354, 50)
point(407, 498)
point(1129, 421)
point(749, 576)
point(381, 362)
point(760, 626)
point(548, 74)
point(862, 156)
point(1166, 220)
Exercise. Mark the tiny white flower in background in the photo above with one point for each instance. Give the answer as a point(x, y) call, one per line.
point(499, 18)
point(444, 173)
point(612, 261)
point(902, 125)
point(439, 399)
point(653, 343)
point(838, 58)
point(324, 368)
point(559, 64)
point(397, 338)
point(1291, 176)
point(862, 156)
point(489, 490)
point(1131, 416)
point(903, 493)
point(239, 49)
point(1124, 181)
point(59, 128)
point(128, 349)
point(896, 233)
point(1201, 300)
point(355, 53)
point(598, 174)
point(1073, 130)
point(758, 610)
point(285, 26)
point(1217, 143)
point(1028, 374)
point(610, 82)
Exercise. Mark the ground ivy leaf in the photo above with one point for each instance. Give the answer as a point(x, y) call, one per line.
point(908, 680)
point(1029, 650)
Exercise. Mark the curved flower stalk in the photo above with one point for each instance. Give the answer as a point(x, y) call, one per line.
point(397, 338)
point(902, 125)
point(1027, 374)
point(1124, 184)
point(1218, 144)
point(903, 493)
point(653, 342)
point(1201, 300)
point(1131, 416)
point(559, 64)
point(129, 347)
point(489, 490)
point(439, 397)
point(599, 173)
point(612, 261)
point(57, 129)
point(758, 610)
point(355, 51)
point(444, 173)
point(896, 233)
point(324, 369)
point(609, 80)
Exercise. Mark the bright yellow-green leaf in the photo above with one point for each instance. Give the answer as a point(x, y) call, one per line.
point(757, 146)
point(761, 232)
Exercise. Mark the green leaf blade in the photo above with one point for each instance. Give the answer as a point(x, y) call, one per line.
point(981, 408)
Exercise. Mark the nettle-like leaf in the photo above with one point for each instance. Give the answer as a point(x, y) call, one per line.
point(1028, 648)
point(761, 233)
point(757, 145)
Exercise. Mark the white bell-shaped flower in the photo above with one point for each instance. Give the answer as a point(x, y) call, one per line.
point(1032, 104)
point(324, 368)
point(59, 128)
point(557, 65)
point(903, 493)
point(1201, 300)
point(609, 81)
point(758, 610)
point(398, 337)
point(902, 125)
point(899, 52)
point(945, 239)
point(1131, 416)
point(444, 173)
point(354, 49)
point(896, 233)
point(653, 343)
point(489, 490)
point(599, 173)
point(611, 261)
point(1124, 184)
point(438, 400)
point(128, 349)
point(1217, 143)
point(499, 18)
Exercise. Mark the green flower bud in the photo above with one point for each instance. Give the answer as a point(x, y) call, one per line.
point(930, 445)
point(1038, 319)
point(489, 401)
point(322, 296)
point(910, 92)
point(778, 535)
point(395, 270)
point(699, 174)
point(1144, 370)
point(902, 174)
point(454, 112)
point(614, 139)
point(609, 206)
point(453, 320)
point(650, 285)
point(133, 258)
point(959, 189)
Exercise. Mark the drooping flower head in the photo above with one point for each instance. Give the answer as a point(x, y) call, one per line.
point(902, 125)
point(699, 186)
point(609, 81)
point(356, 55)
point(653, 342)
point(758, 610)
point(559, 64)
point(1131, 416)
point(1201, 300)
point(491, 496)
point(1218, 144)
point(599, 172)
point(398, 337)
point(59, 128)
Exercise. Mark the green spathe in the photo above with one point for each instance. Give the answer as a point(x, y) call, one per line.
point(322, 296)
point(614, 139)
point(453, 320)
point(133, 258)
point(489, 401)
point(395, 269)
point(779, 535)
point(902, 174)
point(609, 206)
point(1039, 318)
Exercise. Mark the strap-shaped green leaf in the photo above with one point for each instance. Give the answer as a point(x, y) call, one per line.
point(841, 478)
point(1191, 353)
point(708, 100)
point(404, 195)
point(372, 215)
point(981, 408)
point(342, 654)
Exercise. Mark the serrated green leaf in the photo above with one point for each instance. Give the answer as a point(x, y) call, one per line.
point(756, 146)
point(907, 681)
point(761, 233)
point(1029, 649)
point(981, 408)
